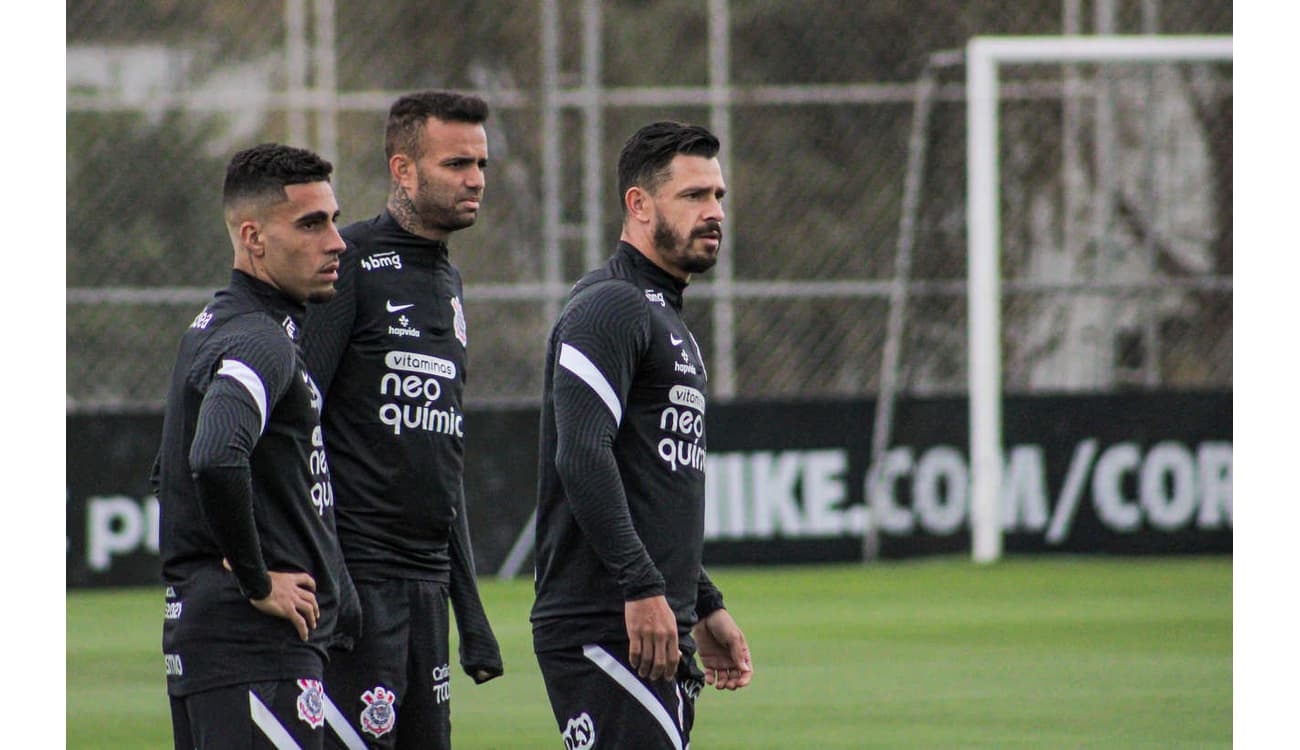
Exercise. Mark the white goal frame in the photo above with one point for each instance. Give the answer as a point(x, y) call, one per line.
point(984, 56)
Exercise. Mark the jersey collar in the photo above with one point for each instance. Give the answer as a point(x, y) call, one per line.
point(418, 247)
point(670, 285)
point(277, 303)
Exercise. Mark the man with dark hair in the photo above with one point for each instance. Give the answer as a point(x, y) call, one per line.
point(389, 351)
point(256, 590)
point(623, 603)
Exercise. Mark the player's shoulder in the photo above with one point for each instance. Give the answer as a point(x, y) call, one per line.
point(361, 232)
point(257, 339)
point(600, 290)
point(257, 330)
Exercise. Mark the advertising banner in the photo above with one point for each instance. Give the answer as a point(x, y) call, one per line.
point(1146, 473)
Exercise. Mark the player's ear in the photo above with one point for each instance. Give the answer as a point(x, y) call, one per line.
point(251, 238)
point(402, 169)
point(638, 204)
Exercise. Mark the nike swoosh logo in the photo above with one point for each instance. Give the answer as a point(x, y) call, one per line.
point(673, 338)
point(396, 308)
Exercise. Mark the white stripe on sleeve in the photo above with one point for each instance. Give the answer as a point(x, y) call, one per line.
point(611, 666)
point(577, 363)
point(270, 726)
point(252, 382)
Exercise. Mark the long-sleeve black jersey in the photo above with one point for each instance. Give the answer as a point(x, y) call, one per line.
point(389, 352)
point(620, 509)
point(241, 475)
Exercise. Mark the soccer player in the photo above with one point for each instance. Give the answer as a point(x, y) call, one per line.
point(256, 590)
point(623, 603)
point(389, 351)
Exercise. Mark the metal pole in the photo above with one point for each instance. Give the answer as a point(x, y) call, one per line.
point(723, 381)
point(593, 186)
point(295, 51)
point(327, 126)
point(984, 301)
point(1096, 358)
point(551, 258)
point(1153, 105)
point(882, 425)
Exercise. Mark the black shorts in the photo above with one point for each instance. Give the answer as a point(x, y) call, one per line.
point(394, 686)
point(280, 715)
point(601, 703)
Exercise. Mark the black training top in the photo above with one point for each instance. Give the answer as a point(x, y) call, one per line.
point(620, 508)
point(241, 475)
point(389, 352)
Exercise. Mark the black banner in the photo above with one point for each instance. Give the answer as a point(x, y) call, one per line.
point(1145, 473)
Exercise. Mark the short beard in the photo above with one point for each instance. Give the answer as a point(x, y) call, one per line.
point(675, 249)
point(434, 216)
point(324, 295)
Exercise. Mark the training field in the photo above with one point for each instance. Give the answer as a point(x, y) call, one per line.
point(1030, 653)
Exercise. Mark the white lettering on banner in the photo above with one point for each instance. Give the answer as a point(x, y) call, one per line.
point(119, 525)
point(939, 491)
point(803, 494)
point(788, 494)
point(890, 517)
point(1115, 510)
point(1024, 491)
point(1215, 462)
point(1166, 486)
point(1071, 491)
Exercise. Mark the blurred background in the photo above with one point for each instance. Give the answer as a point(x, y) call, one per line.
point(844, 136)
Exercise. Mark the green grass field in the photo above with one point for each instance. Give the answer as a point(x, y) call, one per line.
point(1031, 653)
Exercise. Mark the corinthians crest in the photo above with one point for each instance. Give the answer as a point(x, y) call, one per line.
point(458, 321)
point(379, 716)
point(311, 703)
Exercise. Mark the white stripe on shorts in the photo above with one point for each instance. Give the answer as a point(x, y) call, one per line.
point(638, 690)
point(270, 726)
point(342, 728)
point(577, 363)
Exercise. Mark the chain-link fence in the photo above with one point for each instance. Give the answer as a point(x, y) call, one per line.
point(843, 127)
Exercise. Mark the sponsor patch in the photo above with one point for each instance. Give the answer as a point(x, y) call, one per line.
point(379, 716)
point(424, 363)
point(290, 328)
point(385, 259)
point(311, 703)
point(684, 395)
point(580, 733)
point(657, 297)
point(403, 328)
point(442, 683)
point(685, 366)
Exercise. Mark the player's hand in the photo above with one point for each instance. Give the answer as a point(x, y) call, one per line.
point(723, 651)
point(652, 637)
point(293, 597)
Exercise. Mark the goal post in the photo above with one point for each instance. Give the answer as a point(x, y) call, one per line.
point(984, 57)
